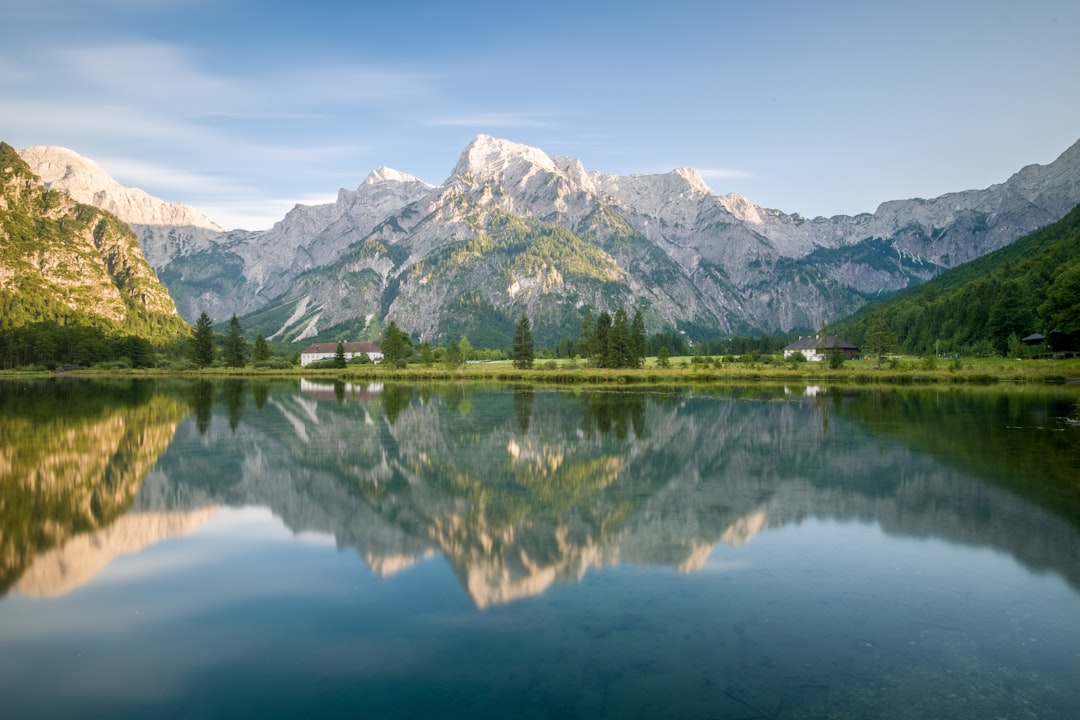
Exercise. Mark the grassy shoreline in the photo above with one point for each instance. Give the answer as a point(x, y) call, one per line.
point(982, 371)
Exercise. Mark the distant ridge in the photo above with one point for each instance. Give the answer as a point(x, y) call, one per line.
point(87, 182)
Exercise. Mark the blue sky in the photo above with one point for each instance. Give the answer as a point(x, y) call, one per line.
point(244, 108)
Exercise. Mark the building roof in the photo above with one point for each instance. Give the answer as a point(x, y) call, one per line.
point(353, 348)
point(814, 342)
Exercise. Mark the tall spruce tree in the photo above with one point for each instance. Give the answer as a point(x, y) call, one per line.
point(583, 347)
point(522, 349)
point(396, 345)
point(637, 339)
point(617, 354)
point(236, 350)
point(598, 345)
point(260, 352)
point(202, 342)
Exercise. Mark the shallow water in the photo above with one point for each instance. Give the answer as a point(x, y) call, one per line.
point(208, 550)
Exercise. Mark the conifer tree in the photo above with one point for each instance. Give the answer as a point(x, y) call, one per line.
point(599, 344)
point(261, 351)
point(618, 345)
point(339, 355)
point(522, 349)
point(396, 345)
point(427, 355)
point(202, 342)
point(637, 339)
point(235, 345)
point(585, 337)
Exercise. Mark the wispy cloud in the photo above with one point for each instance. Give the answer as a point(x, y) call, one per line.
point(172, 77)
point(346, 84)
point(97, 124)
point(129, 171)
point(157, 75)
point(214, 132)
point(267, 115)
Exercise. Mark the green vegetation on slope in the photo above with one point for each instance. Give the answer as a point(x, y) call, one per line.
point(71, 264)
point(988, 304)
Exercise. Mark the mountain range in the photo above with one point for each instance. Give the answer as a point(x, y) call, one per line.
point(513, 230)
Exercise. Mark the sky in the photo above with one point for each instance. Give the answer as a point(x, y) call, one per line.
point(244, 108)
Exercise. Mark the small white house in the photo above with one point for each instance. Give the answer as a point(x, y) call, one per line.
point(327, 351)
point(816, 348)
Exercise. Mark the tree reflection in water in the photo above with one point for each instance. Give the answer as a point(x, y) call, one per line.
point(520, 484)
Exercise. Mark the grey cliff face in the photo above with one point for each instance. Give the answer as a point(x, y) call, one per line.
point(396, 248)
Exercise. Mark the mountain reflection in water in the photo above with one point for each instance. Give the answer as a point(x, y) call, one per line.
point(520, 489)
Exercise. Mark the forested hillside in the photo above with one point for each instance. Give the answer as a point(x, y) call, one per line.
point(989, 304)
point(65, 265)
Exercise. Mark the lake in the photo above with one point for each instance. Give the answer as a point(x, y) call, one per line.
point(196, 549)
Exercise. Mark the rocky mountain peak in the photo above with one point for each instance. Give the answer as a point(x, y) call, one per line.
point(488, 158)
point(87, 182)
point(741, 207)
point(693, 177)
point(574, 171)
point(384, 174)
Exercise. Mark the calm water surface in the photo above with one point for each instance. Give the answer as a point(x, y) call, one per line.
point(203, 549)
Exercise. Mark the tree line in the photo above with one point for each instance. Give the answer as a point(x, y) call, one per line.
point(231, 349)
point(605, 340)
point(51, 344)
